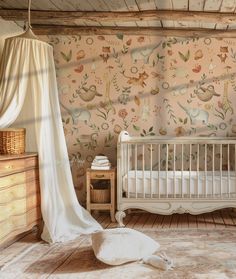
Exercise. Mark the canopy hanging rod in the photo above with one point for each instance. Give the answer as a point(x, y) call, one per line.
point(29, 15)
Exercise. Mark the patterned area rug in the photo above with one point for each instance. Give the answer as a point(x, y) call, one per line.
point(197, 254)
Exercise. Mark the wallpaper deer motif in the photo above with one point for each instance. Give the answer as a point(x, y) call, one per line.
point(145, 85)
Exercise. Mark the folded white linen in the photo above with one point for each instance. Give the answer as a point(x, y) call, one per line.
point(100, 167)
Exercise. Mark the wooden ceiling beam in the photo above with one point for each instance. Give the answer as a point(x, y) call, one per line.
point(151, 31)
point(74, 17)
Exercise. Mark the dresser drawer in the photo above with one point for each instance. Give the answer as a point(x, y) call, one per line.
point(17, 192)
point(18, 224)
point(18, 207)
point(18, 178)
point(11, 166)
point(17, 165)
point(13, 193)
point(11, 180)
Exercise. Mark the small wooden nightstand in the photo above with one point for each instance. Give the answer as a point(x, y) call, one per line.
point(101, 175)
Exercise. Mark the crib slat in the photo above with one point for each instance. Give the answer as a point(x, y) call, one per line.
point(190, 167)
point(182, 168)
point(234, 163)
point(167, 151)
point(205, 194)
point(213, 169)
point(174, 169)
point(143, 171)
point(198, 154)
point(151, 170)
point(128, 158)
point(136, 166)
point(220, 170)
point(159, 163)
point(228, 170)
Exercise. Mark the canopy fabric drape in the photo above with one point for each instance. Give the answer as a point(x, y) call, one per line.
point(29, 98)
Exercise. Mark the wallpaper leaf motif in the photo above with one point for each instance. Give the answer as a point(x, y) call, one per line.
point(66, 57)
point(144, 84)
point(184, 57)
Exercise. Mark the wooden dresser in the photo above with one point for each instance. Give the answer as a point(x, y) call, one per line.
point(19, 195)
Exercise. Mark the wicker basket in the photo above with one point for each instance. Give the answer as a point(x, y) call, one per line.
point(100, 195)
point(12, 141)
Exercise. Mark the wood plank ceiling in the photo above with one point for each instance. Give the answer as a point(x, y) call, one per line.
point(8, 11)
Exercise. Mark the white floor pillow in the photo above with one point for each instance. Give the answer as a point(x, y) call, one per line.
point(122, 245)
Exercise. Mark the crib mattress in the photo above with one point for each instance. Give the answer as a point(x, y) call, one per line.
point(180, 184)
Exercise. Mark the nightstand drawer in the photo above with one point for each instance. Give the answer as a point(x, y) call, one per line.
point(100, 175)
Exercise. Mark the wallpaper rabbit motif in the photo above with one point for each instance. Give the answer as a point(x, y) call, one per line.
point(146, 85)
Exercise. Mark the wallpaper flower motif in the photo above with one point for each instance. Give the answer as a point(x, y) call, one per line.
point(146, 85)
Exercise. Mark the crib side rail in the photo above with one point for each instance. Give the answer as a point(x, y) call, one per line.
point(161, 167)
point(180, 140)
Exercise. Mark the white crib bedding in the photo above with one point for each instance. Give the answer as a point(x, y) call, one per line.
point(196, 184)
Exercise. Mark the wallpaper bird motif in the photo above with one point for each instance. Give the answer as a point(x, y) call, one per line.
point(144, 84)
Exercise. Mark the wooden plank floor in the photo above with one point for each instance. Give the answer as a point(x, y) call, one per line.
point(59, 260)
point(143, 220)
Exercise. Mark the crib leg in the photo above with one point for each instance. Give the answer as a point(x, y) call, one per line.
point(119, 218)
point(233, 209)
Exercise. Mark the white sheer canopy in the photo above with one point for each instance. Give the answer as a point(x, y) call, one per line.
point(29, 98)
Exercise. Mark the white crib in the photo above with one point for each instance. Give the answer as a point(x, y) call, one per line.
point(175, 175)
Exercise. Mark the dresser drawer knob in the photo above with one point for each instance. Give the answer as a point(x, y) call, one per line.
point(9, 167)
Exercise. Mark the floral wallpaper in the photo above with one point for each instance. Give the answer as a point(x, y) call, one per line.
point(145, 85)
